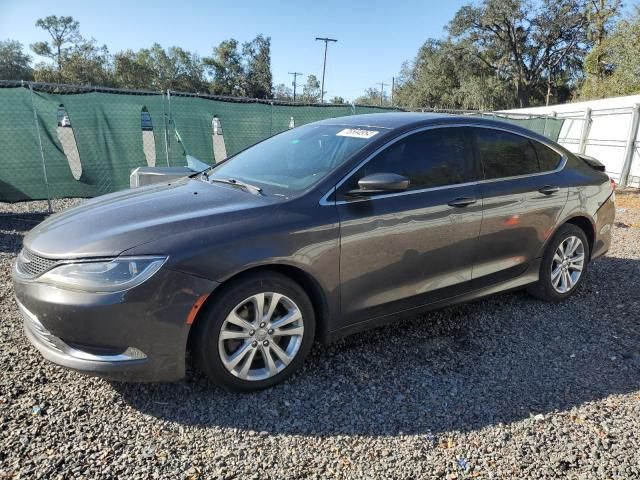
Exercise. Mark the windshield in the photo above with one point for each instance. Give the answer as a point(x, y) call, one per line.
point(296, 159)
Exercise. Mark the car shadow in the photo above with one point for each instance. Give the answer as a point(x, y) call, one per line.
point(498, 360)
point(13, 227)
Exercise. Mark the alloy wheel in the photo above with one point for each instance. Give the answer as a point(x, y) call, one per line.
point(261, 336)
point(567, 264)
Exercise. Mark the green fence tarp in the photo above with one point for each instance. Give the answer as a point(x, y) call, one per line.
point(21, 173)
point(105, 127)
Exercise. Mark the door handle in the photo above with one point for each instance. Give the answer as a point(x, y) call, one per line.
point(462, 202)
point(549, 189)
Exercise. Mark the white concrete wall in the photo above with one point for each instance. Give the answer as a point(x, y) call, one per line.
point(608, 132)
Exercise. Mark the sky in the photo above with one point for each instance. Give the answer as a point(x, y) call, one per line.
point(374, 37)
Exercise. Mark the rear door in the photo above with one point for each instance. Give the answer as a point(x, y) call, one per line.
point(523, 196)
point(405, 249)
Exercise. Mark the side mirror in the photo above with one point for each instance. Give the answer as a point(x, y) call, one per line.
point(380, 183)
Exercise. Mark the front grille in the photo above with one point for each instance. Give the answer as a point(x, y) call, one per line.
point(31, 265)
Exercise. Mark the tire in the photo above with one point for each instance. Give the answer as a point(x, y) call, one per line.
point(230, 331)
point(549, 286)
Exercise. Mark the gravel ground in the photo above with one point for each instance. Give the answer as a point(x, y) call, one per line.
point(500, 388)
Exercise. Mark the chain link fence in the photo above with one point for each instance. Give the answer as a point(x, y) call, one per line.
point(60, 141)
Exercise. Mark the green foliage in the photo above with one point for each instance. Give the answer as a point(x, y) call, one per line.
point(246, 73)
point(14, 64)
point(85, 64)
point(311, 90)
point(257, 54)
point(227, 69)
point(501, 54)
point(133, 69)
point(619, 57)
point(65, 38)
point(372, 98)
point(283, 93)
point(173, 68)
point(522, 42)
point(600, 16)
point(446, 74)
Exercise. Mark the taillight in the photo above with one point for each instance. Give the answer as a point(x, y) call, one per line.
point(613, 184)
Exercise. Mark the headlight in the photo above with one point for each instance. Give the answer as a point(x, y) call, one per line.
point(104, 276)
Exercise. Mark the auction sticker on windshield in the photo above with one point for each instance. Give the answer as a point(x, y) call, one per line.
point(356, 133)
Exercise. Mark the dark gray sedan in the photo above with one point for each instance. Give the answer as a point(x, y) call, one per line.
point(315, 233)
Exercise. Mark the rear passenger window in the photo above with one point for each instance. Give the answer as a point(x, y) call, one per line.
point(505, 154)
point(547, 158)
point(432, 158)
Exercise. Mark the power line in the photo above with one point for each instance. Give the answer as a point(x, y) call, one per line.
point(324, 66)
point(295, 76)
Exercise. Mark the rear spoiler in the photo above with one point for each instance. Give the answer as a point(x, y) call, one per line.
point(592, 162)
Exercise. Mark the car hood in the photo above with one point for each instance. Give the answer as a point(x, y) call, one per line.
point(108, 225)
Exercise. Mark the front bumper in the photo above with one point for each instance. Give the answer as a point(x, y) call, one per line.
point(136, 335)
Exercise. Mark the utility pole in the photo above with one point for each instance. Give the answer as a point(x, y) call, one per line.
point(295, 76)
point(326, 42)
point(393, 85)
point(382, 85)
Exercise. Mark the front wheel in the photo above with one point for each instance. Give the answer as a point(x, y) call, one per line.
point(564, 265)
point(256, 334)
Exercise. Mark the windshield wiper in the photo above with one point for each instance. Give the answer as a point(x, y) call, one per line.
point(233, 181)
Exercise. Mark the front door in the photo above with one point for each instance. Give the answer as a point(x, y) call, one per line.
point(402, 250)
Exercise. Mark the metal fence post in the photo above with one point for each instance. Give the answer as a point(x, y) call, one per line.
point(586, 126)
point(169, 119)
point(631, 145)
point(166, 128)
point(44, 167)
point(271, 121)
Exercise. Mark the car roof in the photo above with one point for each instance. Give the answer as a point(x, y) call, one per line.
point(389, 120)
point(400, 120)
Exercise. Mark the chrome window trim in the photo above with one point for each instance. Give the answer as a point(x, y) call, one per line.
point(324, 200)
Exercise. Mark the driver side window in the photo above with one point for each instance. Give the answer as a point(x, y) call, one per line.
point(432, 158)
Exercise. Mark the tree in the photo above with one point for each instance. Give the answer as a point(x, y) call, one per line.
point(14, 63)
point(257, 57)
point(337, 101)
point(600, 16)
point(283, 93)
point(620, 57)
point(562, 34)
point(519, 42)
point(65, 36)
point(372, 97)
point(75, 60)
point(311, 90)
point(86, 64)
point(133, 70)
point(159, 69)
point(226, 66)
point(447, 74)
point(246, 73)
point(182, 70)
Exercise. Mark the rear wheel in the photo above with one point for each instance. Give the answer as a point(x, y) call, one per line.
point(564, 265)
point(256, 334)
